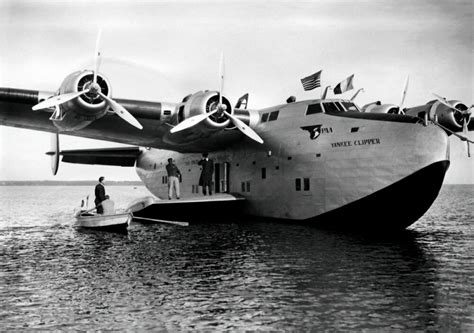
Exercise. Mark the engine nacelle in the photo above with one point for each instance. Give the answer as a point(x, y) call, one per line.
point(204, 102)
point(199, 103)
point(89, 104)
point(447, 117)
point(81, 111)
point(377, 107)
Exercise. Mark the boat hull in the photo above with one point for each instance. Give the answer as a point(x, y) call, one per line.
point(116, 222)
point(393, 208)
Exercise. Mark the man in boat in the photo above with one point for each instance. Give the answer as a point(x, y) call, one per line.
point(100, 195)
point(205, 180)
point(173, 178)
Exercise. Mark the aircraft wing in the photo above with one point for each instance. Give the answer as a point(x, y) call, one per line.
point(155, 117)
point(15, 110)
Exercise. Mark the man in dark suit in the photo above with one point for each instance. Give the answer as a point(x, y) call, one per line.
point(100, 195)
point(206, 174)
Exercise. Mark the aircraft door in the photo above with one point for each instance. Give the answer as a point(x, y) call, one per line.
point(217, 177)
point(221, 177)
point(225, 181)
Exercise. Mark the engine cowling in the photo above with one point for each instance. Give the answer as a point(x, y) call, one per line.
point(204, 102)
point(378, 107)
point(447, 117)
point(81, 111)
point(89, 104)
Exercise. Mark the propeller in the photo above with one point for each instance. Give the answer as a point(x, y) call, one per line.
point(404, 94)
point(443, 101)
point(221, 108)
point(93, 88)
point(466, 116)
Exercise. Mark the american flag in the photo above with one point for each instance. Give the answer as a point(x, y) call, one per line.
point(312, 81)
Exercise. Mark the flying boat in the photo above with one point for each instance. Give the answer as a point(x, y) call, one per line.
point(324, 161)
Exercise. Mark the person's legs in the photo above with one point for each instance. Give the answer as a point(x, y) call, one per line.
point(170, 187)
point(100, 209)
point(176, 187)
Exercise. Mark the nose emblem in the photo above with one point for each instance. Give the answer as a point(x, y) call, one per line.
point(314, 131)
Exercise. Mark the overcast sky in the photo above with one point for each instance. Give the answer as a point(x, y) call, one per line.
point(172, 49)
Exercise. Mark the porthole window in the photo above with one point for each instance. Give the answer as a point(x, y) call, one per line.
point(298, 184)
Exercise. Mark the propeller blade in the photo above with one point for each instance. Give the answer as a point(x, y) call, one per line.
point(121, 112)
point(97, 56)
point(190, 122)
point(58, 100)
point(404, 93)
point(244, 128)
point(221, 76)
point(464, 130)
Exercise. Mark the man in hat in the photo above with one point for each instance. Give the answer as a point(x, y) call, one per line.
point(206, 174)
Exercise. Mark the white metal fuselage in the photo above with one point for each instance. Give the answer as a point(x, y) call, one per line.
point(299, 174)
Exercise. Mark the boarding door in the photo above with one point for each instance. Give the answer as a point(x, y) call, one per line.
point(221, 177)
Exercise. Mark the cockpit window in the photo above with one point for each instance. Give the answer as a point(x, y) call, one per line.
point(314, 108)
point(350, 106)
point(339, 107)
point(330, 108)
point(273, 115)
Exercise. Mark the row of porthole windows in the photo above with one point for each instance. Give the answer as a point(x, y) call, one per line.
point(238, 164)
point(301, 184)
point(305, 183)
point(245, 186)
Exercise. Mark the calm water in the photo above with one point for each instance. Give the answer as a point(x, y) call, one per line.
point(250, 275)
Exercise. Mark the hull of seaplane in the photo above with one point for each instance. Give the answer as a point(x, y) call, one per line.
point(327, 170)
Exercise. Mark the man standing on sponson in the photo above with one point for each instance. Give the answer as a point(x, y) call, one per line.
point(173, 178)
point(206, 174)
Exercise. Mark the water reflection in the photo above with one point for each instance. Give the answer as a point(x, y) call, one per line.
point(269, 276)
point(236, 276)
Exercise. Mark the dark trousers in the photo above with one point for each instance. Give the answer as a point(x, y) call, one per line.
point(100, 209)
point(204, 186)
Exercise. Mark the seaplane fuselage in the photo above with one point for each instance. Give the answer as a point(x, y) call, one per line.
point(345, 167)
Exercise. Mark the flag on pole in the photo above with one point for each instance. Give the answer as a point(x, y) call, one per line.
point(344, 85)
point(312, 81)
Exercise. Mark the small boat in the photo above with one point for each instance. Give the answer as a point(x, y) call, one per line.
point(115, 222)
point(111, 220)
